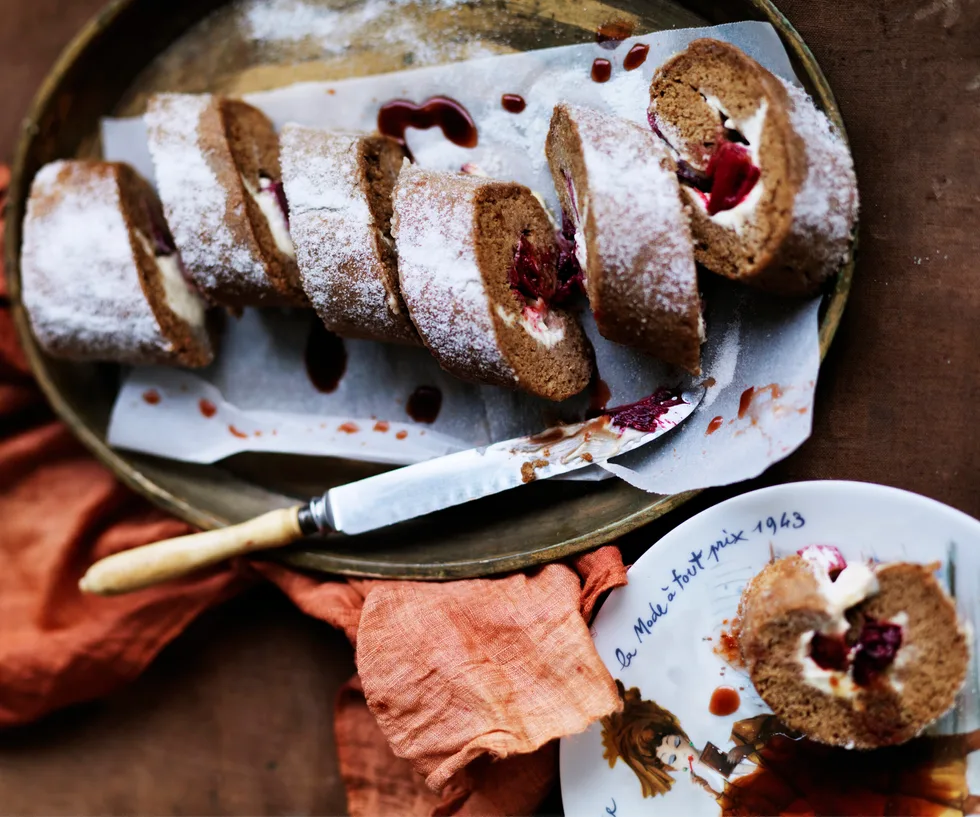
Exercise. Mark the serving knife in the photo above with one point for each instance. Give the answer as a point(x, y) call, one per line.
point(403, 493)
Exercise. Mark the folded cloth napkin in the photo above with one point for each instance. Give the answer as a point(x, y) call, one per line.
point(462, 689)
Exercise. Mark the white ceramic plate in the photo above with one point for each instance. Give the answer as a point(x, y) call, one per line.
point(659, 633)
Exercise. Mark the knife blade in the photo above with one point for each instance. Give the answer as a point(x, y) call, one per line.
point(426, 487)
point(404, 493)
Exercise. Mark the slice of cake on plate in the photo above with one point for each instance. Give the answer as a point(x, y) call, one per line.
point(622, 208)
point(217, 169)
point(852, 655)
point(102, 279)
point(770, 182)
point(478, 269)
point(339, 187)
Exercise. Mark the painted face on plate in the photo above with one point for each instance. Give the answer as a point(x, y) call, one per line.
point(670, 751)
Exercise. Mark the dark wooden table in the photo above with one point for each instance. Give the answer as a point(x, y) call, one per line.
point(236, 716)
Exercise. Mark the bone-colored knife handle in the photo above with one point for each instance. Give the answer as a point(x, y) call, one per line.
point(172, 558)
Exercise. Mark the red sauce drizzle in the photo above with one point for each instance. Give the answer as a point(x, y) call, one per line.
point(381, 425)
point(395, 117)
point(348, 428)
point(748, 396)
point(208, 409)
point(724, 701)
point(424, 404)
point(745, 401)
point(599, 398)
point(151, 396)
point(513, 103)
point(611, 34)
point(326, 358)
point(714, 425)
point(601, 70)
point(236, 433)
point(636, 56)
point(401, 435)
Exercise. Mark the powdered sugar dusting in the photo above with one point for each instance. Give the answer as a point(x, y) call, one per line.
point(636, 206)
point(337, 30)
point(440, 280)
point(334, 233)
point(195, 201)
point(826, 206)
point(81, 284)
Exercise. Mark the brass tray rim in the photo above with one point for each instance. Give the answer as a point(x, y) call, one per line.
point(312, 557)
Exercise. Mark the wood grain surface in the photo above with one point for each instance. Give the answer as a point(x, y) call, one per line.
point(235, 717)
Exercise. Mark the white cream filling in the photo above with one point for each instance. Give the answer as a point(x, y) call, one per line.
point(578, 219)
point(542, 325)
point(179, 297)
point(854, 584)
point(269, 205)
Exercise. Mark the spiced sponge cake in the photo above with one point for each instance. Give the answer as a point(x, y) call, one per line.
point(339, 188)
point(852, 655)
point(478, 269)
point(769, 180)
point(217, 169)
point(102, 279)
point(622, 208)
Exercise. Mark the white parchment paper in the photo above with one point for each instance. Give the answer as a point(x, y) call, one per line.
point(265, 401)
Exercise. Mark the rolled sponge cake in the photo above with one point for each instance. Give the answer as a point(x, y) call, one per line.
point(101, 277)
point(622, 207)
point(477, 266)
point(769, 180)
point(853, 655)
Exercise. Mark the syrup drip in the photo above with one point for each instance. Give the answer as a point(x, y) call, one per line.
point(513, 103)
point(455, 122)
point(601, 70)
point(609, 35)
point(326, 358)
point(424, 404)
point(724, 701)
point(636, 56)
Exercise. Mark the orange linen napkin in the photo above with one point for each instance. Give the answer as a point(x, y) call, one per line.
point(463, 687)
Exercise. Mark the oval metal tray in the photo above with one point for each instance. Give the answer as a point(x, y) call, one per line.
point(137, 47)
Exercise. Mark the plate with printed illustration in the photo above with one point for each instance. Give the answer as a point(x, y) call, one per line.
point(695, 737)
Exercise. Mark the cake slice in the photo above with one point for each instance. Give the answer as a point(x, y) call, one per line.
point(478, 269)
point(339, 187)
point(217, 169)
point(770, 182)
point(102, 279)
point(622, 209)
point(852, 655)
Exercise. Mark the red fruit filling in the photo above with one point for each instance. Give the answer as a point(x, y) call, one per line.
point(830, 652)
point(829, 555)
point(877, 646)
point(874, 651)
point(543, 279)
point(732, 177)
point(646, 414)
